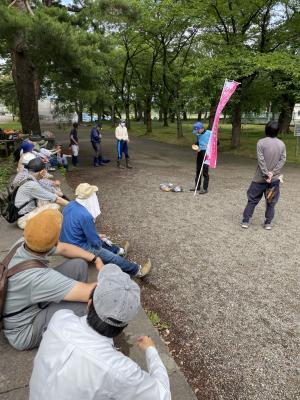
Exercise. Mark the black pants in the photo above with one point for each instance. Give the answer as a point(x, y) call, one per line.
point(98, 149)
point(255, 193)
point(200, 158)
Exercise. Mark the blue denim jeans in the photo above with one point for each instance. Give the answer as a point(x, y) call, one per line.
point(122, 147)
point(108, 257)
point(255, 194)
point(113, 248)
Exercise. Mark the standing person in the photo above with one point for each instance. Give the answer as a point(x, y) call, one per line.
point(203, 136)
point(271, 157)
point(96, 137)
point(74, 144)
point(77, 358)
point(122, 143)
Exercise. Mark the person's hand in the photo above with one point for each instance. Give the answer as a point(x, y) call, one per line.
point(102, 235)
point(99, 264)
point(144, 342)
point(56, 182)
point(269, 178)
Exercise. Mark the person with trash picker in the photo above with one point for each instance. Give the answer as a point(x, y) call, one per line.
point(202, 136)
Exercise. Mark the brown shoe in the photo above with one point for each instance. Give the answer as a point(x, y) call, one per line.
point(126, 248)
point(144, 269)
point(120, 165)
point(128, 165)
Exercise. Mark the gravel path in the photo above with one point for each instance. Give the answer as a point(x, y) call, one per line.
point(230, 295)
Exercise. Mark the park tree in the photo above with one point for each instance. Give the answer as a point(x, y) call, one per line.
point(49, 39)
point(237, 34)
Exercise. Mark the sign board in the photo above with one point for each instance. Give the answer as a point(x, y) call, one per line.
point(297, 129)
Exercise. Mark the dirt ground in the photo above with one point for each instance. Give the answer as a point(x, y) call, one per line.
point(230, 295)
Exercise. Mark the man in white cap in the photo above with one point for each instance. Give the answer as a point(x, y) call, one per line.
point(77, 358)
point(79, 229)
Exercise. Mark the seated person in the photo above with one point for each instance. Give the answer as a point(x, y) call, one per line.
point(26, 154)
point(77, 359)
point(62, 157)
point(30, 193)
point(35, 294)
point(79, 229)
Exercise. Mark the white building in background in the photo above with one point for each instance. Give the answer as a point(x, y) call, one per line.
point(296, 113)
point(46, 112)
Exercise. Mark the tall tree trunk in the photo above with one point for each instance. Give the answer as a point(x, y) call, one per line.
point(139, 110)
point(178, 122)
point(165, 117)
point(172, 116)
point(286, 113)
point(23, 72)
point(113, 115)
point(127, 113)
point(199, 115)
point(79, 110)
point(236, 125)
point(160, 114)
point(91, 115)
point(212, 112)
point(135, 112)
point(25, 78)
point(148, 115)
point(100, 114)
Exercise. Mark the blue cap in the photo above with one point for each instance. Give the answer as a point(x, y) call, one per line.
point(198, 125)
point(26, 146)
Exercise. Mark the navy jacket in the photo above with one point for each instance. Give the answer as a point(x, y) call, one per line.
point(95, 135)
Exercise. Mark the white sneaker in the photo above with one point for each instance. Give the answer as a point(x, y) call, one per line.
point(121, 252)
point(245, 225)
point(267, 227)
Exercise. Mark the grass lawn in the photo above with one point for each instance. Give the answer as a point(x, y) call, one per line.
point(7, 168)
point(10, 125)
point(250, 135)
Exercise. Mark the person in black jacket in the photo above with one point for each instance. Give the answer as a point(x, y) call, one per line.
point(96, 137)
point(74, 144)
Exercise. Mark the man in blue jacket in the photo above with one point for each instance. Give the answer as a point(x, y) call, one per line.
point(96, 136)
point(79, 228)
point(203, 136)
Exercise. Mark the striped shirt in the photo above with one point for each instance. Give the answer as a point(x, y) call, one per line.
point(32, 191)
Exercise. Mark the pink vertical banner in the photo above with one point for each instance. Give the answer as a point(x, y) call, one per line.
point(212, 153)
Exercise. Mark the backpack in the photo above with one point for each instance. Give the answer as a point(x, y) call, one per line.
point(6, 273)
point(8, 210)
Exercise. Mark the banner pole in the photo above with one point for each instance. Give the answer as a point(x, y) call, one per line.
point(200, 173)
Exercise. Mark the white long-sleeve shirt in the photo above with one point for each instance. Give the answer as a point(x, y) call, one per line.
point(74, 362)
point(121, 133)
